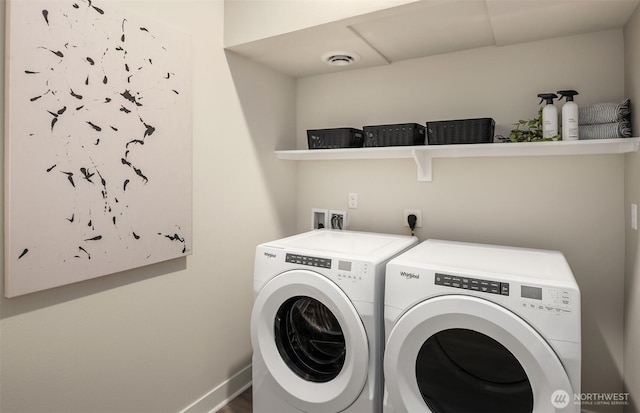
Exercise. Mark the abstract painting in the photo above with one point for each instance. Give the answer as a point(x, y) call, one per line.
point(98, 146)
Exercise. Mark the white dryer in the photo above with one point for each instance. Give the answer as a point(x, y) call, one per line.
point(480, 328)
point(316, 325)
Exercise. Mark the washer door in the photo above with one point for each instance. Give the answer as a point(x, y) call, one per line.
point(465, 354)
point(312, 341)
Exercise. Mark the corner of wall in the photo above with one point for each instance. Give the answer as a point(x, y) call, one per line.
point(632, 237)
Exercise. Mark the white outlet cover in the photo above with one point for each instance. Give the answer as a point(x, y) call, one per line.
point(353, 200)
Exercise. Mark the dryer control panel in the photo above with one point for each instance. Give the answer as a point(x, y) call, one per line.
point(547, 299)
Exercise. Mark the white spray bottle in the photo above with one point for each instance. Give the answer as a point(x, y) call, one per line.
point(549, 116)
point(569, 116)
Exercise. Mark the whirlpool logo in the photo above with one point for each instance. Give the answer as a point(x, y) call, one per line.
point(269, 255)
point(409, 275)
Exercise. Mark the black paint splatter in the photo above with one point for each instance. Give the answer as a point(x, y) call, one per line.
point(56, 52)
point(49, 169)
point(103, 182)
point(75, 95)
point(94, 126)
point(141, 142)
point(124, 186)
point(127, 95)
point(149, 129)
point(175, 237)
point(85, 251)
point(23, 253)
point(73, 217)
point(87, 174)
point(96, 238)
point(136, 236)
point(69, 177)
point(140, 174)
point(91, 61)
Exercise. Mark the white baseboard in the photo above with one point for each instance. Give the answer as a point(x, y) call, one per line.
point(221, 395)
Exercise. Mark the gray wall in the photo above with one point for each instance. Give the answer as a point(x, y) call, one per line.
point(632, 196)
point(574, 204)
point(156, 339)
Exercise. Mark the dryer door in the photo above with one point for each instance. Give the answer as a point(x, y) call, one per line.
point(459, 353)
point(312, 341)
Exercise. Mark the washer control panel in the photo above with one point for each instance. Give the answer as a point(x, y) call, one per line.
point(547, 299)
point(475, 284)
point(308, 260)
point(344, 270)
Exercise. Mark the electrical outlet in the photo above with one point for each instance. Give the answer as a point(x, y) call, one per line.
point(416, 212)
point(337, 219)
point(353, 200)
point(319, 218)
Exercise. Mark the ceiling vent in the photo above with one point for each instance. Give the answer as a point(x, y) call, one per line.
point(340, 58)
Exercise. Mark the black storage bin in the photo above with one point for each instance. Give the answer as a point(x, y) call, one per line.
point(402, 134)
point(460, 131)
point(334, 138)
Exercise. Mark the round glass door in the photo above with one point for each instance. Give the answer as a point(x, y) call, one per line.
point(310, 339)
point(462, 370)
point(457, 353)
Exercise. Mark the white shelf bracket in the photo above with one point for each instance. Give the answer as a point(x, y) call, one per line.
point(424, 162)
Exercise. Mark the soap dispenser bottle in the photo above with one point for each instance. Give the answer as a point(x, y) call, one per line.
point(569, 116)
point(549, 116)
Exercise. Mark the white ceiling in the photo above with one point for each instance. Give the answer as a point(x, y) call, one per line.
point(431, 27)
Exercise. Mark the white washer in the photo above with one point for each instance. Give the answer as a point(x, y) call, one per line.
point(480, 328)
point(316, 325)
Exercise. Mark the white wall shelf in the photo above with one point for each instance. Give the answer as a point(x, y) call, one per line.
point(423, 155)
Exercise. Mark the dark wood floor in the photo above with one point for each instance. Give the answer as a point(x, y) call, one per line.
point(241, 404)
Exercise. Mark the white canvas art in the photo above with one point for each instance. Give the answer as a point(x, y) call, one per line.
point(98, 152)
